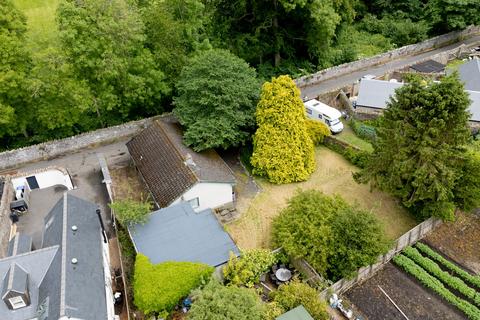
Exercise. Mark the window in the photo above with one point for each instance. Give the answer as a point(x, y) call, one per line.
point(309, 111)
point(17, 302)
point(195, 202)
point(320, 116)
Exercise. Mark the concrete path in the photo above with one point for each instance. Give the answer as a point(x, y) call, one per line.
point(335, 83)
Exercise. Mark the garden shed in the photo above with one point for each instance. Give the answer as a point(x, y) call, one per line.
point(298, 313)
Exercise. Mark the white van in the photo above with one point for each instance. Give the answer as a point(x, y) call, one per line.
point(321, 112)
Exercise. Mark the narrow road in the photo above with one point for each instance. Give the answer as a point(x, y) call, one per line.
point(335, 83)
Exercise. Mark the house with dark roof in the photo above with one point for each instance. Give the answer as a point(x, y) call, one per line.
point(66, 277)
point(175, 173)
point(178, 233)
point(374, 95)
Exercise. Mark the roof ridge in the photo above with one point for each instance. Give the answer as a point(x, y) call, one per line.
point(160, 126)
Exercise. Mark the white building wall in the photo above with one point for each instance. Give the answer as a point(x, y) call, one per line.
point(211, 195)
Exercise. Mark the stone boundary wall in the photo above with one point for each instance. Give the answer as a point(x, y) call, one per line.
point(402, 242)
point(416, 48)
point(55, 148)
point(5, 222)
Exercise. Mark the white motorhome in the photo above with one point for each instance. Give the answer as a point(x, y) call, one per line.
point(319, 111)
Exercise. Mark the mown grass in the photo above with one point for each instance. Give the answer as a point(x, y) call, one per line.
point(350, 137)
point(333, 175)
point(42, 29)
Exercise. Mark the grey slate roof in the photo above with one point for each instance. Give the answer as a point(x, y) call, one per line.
point(376, 94)
point(16, 279)
point(178, 233)
point(470, 74)
point(429, 66)
point(298, 313)
point(161, 157)
point(20, 243)
point(64, 289)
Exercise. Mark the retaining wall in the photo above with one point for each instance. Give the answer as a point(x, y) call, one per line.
point(412, 49)
point(55, 148)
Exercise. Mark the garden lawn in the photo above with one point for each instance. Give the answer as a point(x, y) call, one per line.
point(333, 175)
point(42, 29)
point(351, 138)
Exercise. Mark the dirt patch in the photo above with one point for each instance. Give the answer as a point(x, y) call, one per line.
point(459, 240)
point(417, 302)
point(333, 175)
point(127, 184)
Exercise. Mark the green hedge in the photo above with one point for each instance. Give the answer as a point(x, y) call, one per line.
point(435, 270)
point(472, 312)
point(356, 157)
point(475, 280)
point(363, 130)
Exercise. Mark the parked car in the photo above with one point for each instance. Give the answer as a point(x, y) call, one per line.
point(319, 111)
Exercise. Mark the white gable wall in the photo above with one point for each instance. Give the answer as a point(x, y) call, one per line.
point(211, 195)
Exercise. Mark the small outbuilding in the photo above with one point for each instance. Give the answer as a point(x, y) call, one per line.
point(298, 313)
point(178, 233)
point(428, 66)
point(174, 173)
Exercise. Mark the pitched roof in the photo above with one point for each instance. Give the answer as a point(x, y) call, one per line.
point(470, 74)
point(377, 93)
point(178, 233)
point(429, 66)
point(298, 313)
point(20, 243)
point(56, 286)
point(169, 167)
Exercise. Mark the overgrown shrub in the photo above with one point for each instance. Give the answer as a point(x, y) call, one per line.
point(357, 157)
point(296, 293)
point(425, 249)
point(472, 312)
point(317, 131)
point(363, 130)
point(311, 227)
point(218, 302)
point(247, 269)
point(131, 212)
point(158, 288)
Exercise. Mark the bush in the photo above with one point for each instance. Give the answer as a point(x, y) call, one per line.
point(218, 302)
point(309, 227)
point(433, 268)
point(472, 312)
point(475, 280)
point(131, 212)
point(317, 131)
point(359, 158)
point(295, 293)
point(363, 130)
point(247, 269)
point(158, 288)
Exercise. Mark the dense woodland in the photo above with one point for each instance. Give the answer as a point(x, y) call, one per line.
point(118, 60)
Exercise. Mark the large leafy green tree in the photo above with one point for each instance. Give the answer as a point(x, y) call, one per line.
point(263, 31)
point(174, 30)
point(217, 302)
point(419, 146)
point(15, 65)
point(104, 41)
point(217, 92)
point(334, 237)
point(158, 288)
point(282, 148)
point(447, 15)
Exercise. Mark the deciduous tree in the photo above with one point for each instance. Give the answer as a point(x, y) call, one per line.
point(282, 149)
point(217, 92)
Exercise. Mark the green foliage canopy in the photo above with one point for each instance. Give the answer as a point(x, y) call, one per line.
point(247, 269)
point(282, 149)
point(420, 147)
point(217, 302)
point(217, 93)
point(131, 212)
point(158, 288)
point(295, 293)
point(335, 238)
point(317, 131)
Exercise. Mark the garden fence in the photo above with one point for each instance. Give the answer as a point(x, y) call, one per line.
point(404, 241)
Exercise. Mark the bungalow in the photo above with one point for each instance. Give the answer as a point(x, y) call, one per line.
point(469, 73)
point(178, 233)
point(373, 96)
point(175, 173)
point(64, 279)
